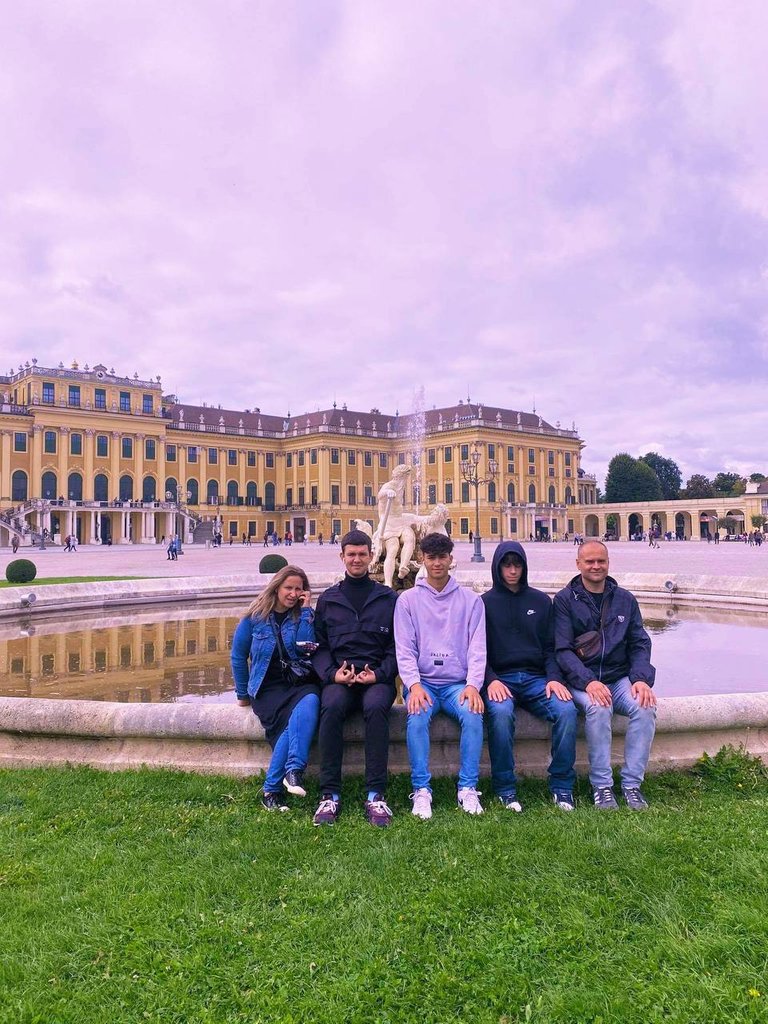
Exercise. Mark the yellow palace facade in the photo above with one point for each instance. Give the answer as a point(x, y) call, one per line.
point(113, 460)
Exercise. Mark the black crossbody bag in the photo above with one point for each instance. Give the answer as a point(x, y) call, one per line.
point(295, 670)
point(588, 645)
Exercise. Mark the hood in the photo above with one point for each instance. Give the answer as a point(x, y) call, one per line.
point(439, 595)
point(505, 548)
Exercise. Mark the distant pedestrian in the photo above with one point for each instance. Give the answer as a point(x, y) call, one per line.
point(15, 544)
point(266, 538)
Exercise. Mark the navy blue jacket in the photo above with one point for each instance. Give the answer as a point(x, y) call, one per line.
point(367, 638)
point(519, 627)
point(626, 647)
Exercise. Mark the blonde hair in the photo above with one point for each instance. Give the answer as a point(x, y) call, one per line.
point(265, 603)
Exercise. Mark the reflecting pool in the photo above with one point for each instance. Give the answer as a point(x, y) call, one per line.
point(146, 656)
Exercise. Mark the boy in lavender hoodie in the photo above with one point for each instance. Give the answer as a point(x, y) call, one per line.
point(440, 647)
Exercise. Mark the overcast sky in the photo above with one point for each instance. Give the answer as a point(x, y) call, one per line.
point(280, 204)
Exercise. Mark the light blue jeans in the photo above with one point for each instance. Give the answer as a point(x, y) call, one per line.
point(291, 752)
point(598, 728)
point(445, 699)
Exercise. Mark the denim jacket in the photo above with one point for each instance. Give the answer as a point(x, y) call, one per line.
point(254, 641)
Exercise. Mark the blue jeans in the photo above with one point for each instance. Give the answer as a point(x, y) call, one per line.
point(445, 699)
point(291, 752)
point(528, 692)
point(598, 729)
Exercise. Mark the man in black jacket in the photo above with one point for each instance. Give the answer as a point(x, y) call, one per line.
point(522, 671)
point(356, 663)
point(608, 671)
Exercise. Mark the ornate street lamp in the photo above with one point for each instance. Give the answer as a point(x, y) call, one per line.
point(470, 470)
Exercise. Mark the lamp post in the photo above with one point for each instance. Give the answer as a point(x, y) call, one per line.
point(470, 470)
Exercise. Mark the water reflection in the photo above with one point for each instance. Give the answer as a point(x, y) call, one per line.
point(143, 657)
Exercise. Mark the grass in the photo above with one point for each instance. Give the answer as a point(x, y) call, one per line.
point(45, 581)
point(156, 896)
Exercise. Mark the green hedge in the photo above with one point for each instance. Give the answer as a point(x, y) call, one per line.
point(272, 563)
point(21, 571)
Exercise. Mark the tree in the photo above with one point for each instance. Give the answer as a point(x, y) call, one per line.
point(759, 521)
point(699, 486)
point(757, 478)
point(668, 473)
point(631, 479)
point(729, 484)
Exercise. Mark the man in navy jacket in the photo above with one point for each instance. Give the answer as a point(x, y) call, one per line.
point(356, 663)
point(617, 676)
point(522, 671)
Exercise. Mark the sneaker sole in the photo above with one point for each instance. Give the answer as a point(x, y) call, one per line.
point(294, 790)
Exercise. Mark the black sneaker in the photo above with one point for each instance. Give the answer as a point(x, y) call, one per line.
point(605, 799)
point(273, 802)
point(564, 800)
point(511, 803)
point(327, 811)
point(294, 783)
point(378, 812)
point(635, 799)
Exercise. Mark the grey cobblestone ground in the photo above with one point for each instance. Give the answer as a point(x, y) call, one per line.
point(731, 559)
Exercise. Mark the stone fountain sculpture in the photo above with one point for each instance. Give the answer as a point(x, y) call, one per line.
point(395, 539)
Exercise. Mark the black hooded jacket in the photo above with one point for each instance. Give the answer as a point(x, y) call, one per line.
point(519, 627)
point(626, 647)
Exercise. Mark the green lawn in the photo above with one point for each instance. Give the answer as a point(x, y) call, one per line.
point(71, 579)
point(162, 897)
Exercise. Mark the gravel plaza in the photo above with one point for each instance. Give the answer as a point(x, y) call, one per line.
point(695, 558)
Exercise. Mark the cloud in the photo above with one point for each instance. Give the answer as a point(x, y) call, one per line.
point(282, 204)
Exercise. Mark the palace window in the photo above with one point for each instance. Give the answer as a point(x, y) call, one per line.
point(75, 444)
point(192, 453)
point(74, 395)
point(289, 460)
point(125, 401)
point(19, 441)
point(269, 460)
point(250, 459)
point(102, 446)
point(334, 494)
point(150, 449)
point(100, 398)
point(334, 456)
point(49, 393)
point(49, 442)
point(213, 456)
point(127, 447)
point(447, 454)
point(146, 405)
point(231, 456)
point(170, 453)
point(383, 462)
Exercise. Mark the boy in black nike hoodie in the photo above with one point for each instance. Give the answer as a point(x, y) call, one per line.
point(522, 670)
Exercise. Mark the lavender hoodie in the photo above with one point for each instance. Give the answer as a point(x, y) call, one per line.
point(440, 635)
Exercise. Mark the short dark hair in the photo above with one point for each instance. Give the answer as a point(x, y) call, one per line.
point(356, 537)
point(511, 558)
point(436, 544)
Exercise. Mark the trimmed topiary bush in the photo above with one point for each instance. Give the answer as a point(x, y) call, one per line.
point(271, 563)
point(21, 571)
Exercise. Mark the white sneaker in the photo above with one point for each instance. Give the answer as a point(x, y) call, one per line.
point(469, 800)
point(422, 803)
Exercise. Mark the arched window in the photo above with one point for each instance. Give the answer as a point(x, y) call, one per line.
point(232, 494)
point(49, 486)
point(171, 488)
point(193, 493)
point(148, 490)
point(511, 492)
point(212, 492)
point(269, 497)
point(251, 493)
point(551, 498)
point(19, 486)
point(100, 488)
point(492, 492)
point(126, 488)
point(75, 487)
point(532, 493)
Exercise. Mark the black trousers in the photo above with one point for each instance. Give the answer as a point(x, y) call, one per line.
point(337, 701)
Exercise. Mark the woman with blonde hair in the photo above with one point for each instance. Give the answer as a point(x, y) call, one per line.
point(271, 670)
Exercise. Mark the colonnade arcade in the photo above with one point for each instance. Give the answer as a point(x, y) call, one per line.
point(684, 520)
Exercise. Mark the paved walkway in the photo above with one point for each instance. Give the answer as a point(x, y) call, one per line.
point(730, 559)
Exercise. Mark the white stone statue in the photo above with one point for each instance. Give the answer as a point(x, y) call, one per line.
point(394, 535)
